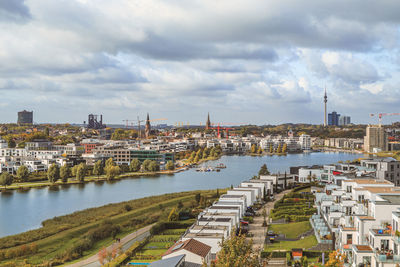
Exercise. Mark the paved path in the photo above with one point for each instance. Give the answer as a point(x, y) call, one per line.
point(126, 242)
point(256, 228)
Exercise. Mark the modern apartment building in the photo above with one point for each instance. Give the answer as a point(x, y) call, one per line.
point(375, 139)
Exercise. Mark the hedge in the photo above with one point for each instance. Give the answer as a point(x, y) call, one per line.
point(273, 254)
point(121, 259)
point(161, 226)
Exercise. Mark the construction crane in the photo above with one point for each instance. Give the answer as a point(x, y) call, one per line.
point(219, 129)
point(380, 115)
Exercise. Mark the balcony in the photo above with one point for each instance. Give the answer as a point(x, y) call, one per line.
point(387, 257)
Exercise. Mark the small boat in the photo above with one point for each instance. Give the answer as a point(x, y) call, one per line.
point(221, 166)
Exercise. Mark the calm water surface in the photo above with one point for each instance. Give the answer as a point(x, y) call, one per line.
point(22, 211)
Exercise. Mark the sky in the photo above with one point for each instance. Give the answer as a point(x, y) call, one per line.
point(250, 61)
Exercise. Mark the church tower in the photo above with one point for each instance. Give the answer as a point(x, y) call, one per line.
point(208, 122)
point(148, 127)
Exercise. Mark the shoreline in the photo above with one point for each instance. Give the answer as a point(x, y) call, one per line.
point(42, 184)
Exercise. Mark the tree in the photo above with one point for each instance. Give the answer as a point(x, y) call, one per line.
point(6, 179)
point(11, 142)
point(263, 170)
point(259, 150)
point(112, 171)
point(98, 168)
point(81, 172)
point(197, 197)
point(135, 165)
point(279, 149)
point(65, 173)
point(145, 164)
point(253, 148)
point(73, 170)
point(109, 162)
point(170, 165)
point(173, 215)
point(53, 173)
point(23, 173)
point(46, 131)
point(336, 259)
point(271, 149)
point(154, 166)
point(237, 251)
point(284, 148)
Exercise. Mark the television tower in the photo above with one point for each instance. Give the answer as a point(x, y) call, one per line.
point(325, 101)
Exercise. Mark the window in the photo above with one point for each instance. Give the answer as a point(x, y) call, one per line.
point(349, 239)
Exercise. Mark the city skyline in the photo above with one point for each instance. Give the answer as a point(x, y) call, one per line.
point(245, 62)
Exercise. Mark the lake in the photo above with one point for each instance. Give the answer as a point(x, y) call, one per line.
point(23, 211)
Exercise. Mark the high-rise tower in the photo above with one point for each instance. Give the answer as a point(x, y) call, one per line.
point(325, 101)
point(208, 122)
point(148, 127)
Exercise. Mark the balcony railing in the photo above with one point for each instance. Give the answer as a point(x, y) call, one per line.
point(387, 258)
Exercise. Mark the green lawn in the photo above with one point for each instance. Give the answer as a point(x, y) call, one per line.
point(291, 230)
point(305, 243)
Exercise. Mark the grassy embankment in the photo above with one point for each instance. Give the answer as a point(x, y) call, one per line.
point(81, 234)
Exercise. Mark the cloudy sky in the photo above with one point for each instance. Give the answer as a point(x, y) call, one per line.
point(252, 61)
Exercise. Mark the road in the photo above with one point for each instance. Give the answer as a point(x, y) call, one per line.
point(125, 243)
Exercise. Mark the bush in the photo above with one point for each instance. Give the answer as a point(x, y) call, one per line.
point(248, 219)
point(161, 226)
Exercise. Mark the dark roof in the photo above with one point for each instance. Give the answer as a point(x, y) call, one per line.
point(191, 245)
point(170, 262)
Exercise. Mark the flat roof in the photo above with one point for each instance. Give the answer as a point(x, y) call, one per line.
point(170, 262)
point(392, 199)
point(366, 218)
point(363, 248)
point(232, 196)
point(228, 203)
point(214, 219)
point(223, 207)
point(367, 181)
point(392, 190)
point(204, 235)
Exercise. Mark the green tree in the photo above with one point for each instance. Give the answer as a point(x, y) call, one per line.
point(98, 168)
point(237, 251)
point(253, 148)
point(6, 179)
point(154, 166)
point(109, 162)
point(271, 149)
point(197, 197)
point(46, 131)
point(263, 170)
point(81, 172)
point(23, 173)
point(53, 173)
point(135, 165)
point(279, 149)
point(170, 165)
point(65, 173)
point(112, 171)
point(284, 148)
point(145, 165)
point(173, 215)
point(73, 170)
point(11, 142)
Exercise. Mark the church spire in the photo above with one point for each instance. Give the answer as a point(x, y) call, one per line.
point(148, 126)
point(208, 122)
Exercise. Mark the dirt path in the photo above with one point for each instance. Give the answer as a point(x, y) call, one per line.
point(124, 243)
